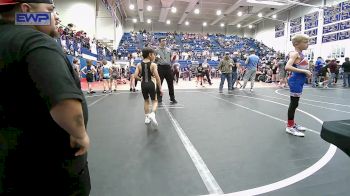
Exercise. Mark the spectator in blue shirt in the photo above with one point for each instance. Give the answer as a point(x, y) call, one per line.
point(316, 72)
point(251, 67)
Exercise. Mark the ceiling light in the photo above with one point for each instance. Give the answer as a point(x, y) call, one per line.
point(239, 14)
point(274, 16)
point(196, 11)
point(260, 15)
point(149, 21)
point(205, 24)
point(149, 8)
point(218, 12)
point(167, 21)
point(250, 26)
point(187, 23)
point(267, 2)
point(131, 6)
point(134, 20)
point(222, 24)
point(239, 25)
point(173, 9)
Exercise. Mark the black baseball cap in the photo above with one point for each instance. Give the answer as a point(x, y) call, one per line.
point(12, 2)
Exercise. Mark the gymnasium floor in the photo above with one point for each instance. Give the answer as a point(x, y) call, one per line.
point(215, 144)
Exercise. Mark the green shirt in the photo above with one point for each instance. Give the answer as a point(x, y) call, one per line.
point(226, 66)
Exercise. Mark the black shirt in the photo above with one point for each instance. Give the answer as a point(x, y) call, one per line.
point(346, 66)
point(234, 67)
point(27, 131)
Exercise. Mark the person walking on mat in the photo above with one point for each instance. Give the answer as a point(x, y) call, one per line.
point(164, 70)
point(149, 82)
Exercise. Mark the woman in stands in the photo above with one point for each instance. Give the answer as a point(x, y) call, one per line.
point(298, 65)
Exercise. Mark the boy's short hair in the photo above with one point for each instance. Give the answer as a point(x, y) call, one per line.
point(299, 38)
point(146, 51)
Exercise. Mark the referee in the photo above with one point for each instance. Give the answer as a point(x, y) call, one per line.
point(164, 70)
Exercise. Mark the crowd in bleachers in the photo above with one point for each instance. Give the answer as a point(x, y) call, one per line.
point(75, 42)
point(189, 50)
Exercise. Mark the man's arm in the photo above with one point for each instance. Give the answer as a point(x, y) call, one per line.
point(156, 75)
point(220, 65)
point(68, 114)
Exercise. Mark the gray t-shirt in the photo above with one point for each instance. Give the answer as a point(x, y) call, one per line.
point(281, 66)
point(164, 56)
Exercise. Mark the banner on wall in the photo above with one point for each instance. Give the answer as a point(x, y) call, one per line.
point(295, 25)
point(336, 28)
point(311, 33)
point(313, 41)
point(279, 30)
point(344, 35)
point(311, 20)
point(295, 22)
point(332, 14)
point(295, 29)
point(279, 34)
point(338, 12)
point(330, 38)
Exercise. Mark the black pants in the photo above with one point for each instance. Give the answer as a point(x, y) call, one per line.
point(46, 176)
point(166, 72)
point(176, 76)
point(207, 75)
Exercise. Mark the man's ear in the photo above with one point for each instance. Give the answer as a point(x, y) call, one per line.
point(25, 7)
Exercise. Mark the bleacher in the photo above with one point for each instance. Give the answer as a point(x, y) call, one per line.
point(196, 43)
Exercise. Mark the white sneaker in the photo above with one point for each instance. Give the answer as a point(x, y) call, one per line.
point(147, 119)
point(251, 90)
point(152, 116)
point(241, 89)
point(299, 128)
point(294, 131)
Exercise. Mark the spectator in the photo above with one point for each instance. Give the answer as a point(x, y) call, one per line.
point(45, 153)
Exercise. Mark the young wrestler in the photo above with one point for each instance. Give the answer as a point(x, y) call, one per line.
point(149, 79)
point(298, 65)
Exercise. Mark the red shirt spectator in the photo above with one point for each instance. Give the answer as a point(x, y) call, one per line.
point(333, 66)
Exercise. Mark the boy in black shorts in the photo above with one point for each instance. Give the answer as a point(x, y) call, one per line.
point(149, 79)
